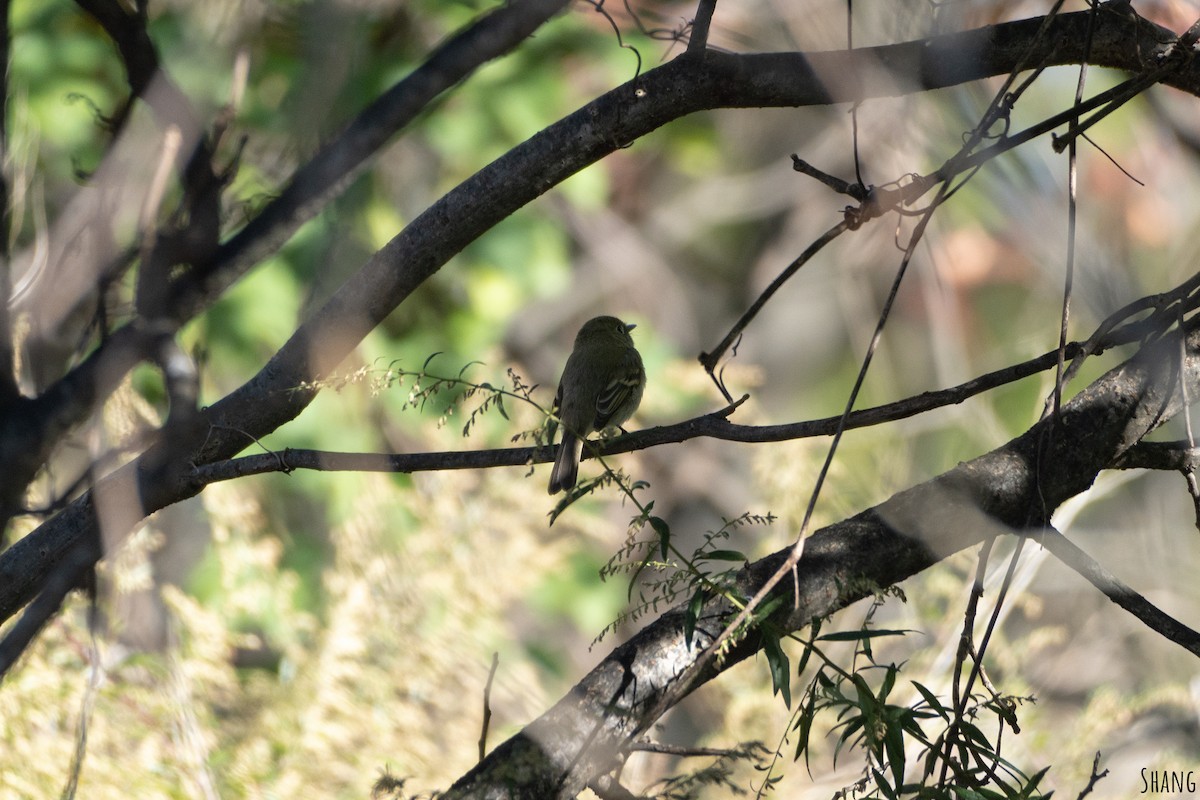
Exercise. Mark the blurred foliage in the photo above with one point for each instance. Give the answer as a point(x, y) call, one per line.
point(294, 635)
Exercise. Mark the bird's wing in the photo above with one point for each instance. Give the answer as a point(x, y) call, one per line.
point(617, 391)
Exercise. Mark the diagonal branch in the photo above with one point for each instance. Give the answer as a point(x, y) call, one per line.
point(1120, 593)
point(339, 162)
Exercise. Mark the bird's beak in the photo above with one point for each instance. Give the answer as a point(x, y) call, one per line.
point(630, 326)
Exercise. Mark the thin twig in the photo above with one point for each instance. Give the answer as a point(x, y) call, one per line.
point(711, 359)
point(1095, 778)
point(1072, 218)
point(1112, 160)
point(855, 190)
point(86, 705)
point(1121, 594)
point(853, 106)
point(71, 569)
point(487, 706)
point(965, 647)
point(681, 751)
point(701, 26)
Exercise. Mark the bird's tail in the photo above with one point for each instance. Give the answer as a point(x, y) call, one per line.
point(566, 464)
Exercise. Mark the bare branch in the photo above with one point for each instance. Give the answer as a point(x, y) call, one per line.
point(1095, 778)
point(487, 706)
point(682, 752)
point(1123, 595)
point(854, 190)
point(715, 425)
point(701, 24)
point(711, 359)
point(67, 575)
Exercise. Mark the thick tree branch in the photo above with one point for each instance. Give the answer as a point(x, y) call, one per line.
point(1015, 488)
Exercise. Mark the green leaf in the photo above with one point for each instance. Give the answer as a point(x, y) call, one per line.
point(803, 725)
point(889, 681)
point(663, 530)
point(853, 726)
point(766, 609)
point(1031, 786)
point(777, 660)
point(893, 745)
point(804, 660)
point(866, 698)
point(976, 794)
point(885, 788)
point(977, 737)
point(932, 700)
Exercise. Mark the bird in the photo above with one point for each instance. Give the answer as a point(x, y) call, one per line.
point(601, 387)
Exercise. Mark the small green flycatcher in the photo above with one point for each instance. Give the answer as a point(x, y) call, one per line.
point(600, 388)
